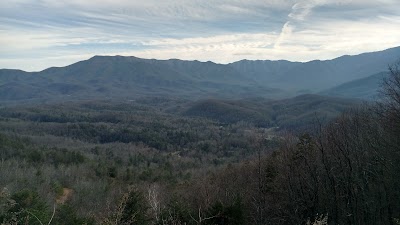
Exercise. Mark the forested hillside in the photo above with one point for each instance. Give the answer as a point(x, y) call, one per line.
point(294, 113)
point(140, 162)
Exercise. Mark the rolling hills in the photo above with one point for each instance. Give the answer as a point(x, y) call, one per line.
point(295, 112)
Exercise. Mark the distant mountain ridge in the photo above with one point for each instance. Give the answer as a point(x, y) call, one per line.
point(129, 77)
point(315, 76)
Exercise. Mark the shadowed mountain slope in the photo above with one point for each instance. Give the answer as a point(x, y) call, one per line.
point(365, 88)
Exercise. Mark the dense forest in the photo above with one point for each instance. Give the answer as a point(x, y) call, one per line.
point(169, 161)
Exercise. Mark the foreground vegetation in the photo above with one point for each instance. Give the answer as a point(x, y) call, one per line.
point(135, 163)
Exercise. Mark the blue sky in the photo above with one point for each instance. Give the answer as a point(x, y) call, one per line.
point(36, 34)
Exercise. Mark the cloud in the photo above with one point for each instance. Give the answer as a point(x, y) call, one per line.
point(299, 12)
point(318, 42)
point(36, 34)
point(286, 32)
point(301, 9)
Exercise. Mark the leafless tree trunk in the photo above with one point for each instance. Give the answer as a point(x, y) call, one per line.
point(154, 199)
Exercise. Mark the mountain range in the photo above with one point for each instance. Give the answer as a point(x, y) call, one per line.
point(108, 77)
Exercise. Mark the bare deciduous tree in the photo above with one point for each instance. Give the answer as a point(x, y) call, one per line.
point(154, 199)
point(390, 106)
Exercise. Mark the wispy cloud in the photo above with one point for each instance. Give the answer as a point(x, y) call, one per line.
point(36, 34)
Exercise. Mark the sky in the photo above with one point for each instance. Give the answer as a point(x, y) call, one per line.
point(37, 34)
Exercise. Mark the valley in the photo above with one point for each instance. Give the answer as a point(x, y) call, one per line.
point(125, 140)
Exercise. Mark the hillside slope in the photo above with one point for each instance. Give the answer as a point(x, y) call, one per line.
point(288, 113)
point(365, 88)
